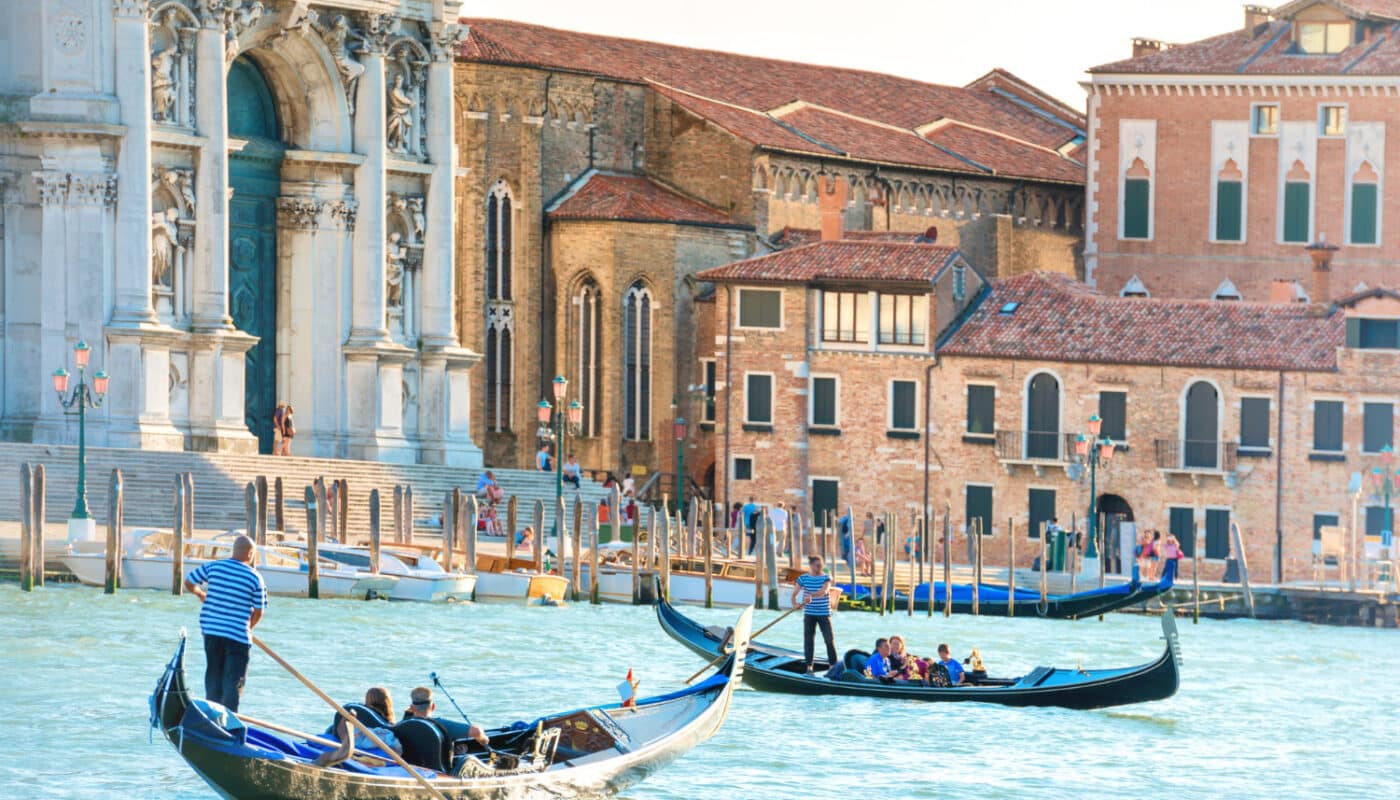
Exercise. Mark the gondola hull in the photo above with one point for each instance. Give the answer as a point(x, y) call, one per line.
point(776, 669)
point(248, 763)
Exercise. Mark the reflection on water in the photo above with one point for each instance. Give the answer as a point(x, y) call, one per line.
point(1266, 710)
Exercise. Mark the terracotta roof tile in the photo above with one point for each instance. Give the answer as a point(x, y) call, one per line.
point(631, 198)
point(843, 260)
point(1060, 319)
point(738, 93)
point(796, 237)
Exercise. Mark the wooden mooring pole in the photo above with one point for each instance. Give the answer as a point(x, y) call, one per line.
point(112, 579)
point(449, 530)
point(279, 505)
point(576, 566)
point(313, 562)
point(408, 513)
point(374, 541)
point(1010, 567)
point(947, 560)
point(512, 511)
point(177, 544)
point(261, 483)
point(469, 547)
point(595, 539)
point(398, 514)
point(709, 544)
point(39, 552)
point(26, 527)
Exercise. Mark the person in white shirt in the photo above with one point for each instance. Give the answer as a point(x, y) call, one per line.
point(778, 516)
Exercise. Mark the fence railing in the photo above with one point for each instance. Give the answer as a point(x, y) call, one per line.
point(1190, 455)
point(1034, 446)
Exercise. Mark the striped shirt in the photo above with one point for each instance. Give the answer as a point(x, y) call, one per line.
point(232, 590)
point(815, 587)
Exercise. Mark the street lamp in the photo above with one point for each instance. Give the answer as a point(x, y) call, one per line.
point(552, 419)
point(1385, 477)
point(1092, 451)
point(679, 428)
point(80, 523)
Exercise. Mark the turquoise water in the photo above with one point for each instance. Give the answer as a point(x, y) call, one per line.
point(1266, 710)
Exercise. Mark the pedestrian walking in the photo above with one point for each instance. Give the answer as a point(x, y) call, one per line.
point(778, 516)
point(234, 597)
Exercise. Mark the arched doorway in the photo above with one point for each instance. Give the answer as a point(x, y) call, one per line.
point(1202, 426)
point(1043, 417)
point(1119, 532)
point(255, 178)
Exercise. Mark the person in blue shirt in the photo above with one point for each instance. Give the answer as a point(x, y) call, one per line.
point(878, 665)
point(749, 516)
point(542, 459)
point(814, 588)
point(956, 675)
point(233, 596)
point(843, 528)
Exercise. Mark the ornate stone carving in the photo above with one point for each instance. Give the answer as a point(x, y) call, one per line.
point(70, 32)
point(446, 39)
point(344, 212)
point(173, 66)
point(165, 87)
point(395, 256)
point(92, 189)
point(399, 128)
point(410, 210)
point(131, 8)
point(300, 213)
point(165, 246)
point(340, 39)
point(179, 183)
point(378, 30)
point(239, 16)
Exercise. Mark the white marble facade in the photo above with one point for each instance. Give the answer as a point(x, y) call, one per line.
point(118, 205)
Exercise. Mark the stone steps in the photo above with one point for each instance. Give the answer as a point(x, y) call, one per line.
point(219, 481)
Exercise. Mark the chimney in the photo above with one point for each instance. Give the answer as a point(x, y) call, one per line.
point(1255, 16)
point(1321, 252)
point(831, 201)
point(1285, 291)
point(1142, 47)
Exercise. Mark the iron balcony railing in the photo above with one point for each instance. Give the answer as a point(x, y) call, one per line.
point(1035, 446)
point(1190, 455)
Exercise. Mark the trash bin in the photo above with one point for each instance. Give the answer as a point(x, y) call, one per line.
point(1058, 547)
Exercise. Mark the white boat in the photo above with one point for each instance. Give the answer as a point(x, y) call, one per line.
point(147, 564)
point(499, 578)
point(421, 577)
point(732, 584)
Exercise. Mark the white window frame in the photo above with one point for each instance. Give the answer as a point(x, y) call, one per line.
point(1322, 120)
point(1127, 405)
point(739, 304)
point(1364, 401)
point(1239, 431)
point(1316, 542)
point(1278, 119)
point(889, 405)
point(871, 323)
point(594, 371)
point(967, 386)
point(1201, 518)
point(899, 346)
point(992, 530)
point(772, 396)
point(734, 459)
point(643, 292)
point(1312, 423)
point(812, 400)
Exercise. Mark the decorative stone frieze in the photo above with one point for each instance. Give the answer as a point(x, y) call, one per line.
point(299, 213)
point(344, 212)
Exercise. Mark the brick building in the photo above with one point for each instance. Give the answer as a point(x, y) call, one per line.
point(599, 175)
point(1212, 164)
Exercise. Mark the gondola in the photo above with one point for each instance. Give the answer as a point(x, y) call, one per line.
point(775, 669)
point(597, 750)
point(991, 598)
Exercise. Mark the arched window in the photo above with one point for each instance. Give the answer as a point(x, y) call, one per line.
point(498, 243)
point(1043, 417)
point(636, 362)
point(589, 323)
point(499, 368)
point(1201, 426)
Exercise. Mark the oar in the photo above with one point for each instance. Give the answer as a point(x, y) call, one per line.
point(723, 654)
point(310, 737)
point(353, 720)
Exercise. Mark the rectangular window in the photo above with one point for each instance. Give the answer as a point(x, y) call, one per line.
point(981, 410)
point(1377, 427)
point(1181, 521)
point(1297, 212)
point(760, 308)
point(743, 468)
point(1217, 533)
point(1229, 211)
point(824, 402)
point(1265, 121)
point(1364, 206)
point(903, 318)
point(1321, 521)
point(1375, 520)
point(1113, 411)
point(758, 399)
point(1374, 334)
point(1327, 426)
point(845, 317)
point(903, 402)
point(1041, 511)
point(1137, 198)
point(1254, 423)
point(711, 375)
point(979, 509)
point(1332, 120)
point(1323, 38)
point(826, 499)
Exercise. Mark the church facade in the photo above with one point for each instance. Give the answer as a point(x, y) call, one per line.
point(235, 203)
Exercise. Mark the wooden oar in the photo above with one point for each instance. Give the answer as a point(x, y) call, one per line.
point(723, 654)
point(353, 720)
point(310, 737)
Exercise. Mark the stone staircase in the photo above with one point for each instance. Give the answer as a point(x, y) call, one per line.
point(220, 478)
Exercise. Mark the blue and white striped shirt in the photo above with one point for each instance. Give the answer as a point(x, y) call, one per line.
point(815, 587)
point(233, 590)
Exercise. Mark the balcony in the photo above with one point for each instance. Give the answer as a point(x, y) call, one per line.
point(1197, 459)
point(1034, 449)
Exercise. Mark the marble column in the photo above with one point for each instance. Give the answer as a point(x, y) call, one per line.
point(437, 293)
point(132, 73)
point(209, 278)
point(367, 324)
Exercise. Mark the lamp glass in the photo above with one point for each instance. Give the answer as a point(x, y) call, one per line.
point(81, 352)
point(99, 383)
point(542, 412)
point(1095, 425)
point(575, 413)
point(1081, 446)
point(1105, 450)
point(60, 380)
point(680, 426)
point(561, 386)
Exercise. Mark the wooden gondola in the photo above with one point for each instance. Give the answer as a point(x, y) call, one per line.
point(597, 750)
point(775, 669)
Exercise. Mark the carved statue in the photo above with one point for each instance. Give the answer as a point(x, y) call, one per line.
point(415, 208)
point(393, 274)
point(338, 39)
point(165, 89)
point(239, 16)
point(400, 124)
point(165, 243)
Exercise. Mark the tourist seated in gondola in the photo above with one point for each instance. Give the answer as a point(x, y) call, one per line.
point(877, 666)
point(433, 742)
point(375, 713)
point(956, 675)
point(903, 666)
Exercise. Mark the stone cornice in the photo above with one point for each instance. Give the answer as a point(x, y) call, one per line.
point(69, 130)
point(1213, 85)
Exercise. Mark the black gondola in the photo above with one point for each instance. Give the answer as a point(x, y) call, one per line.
point(597, 750)
point(776, 669)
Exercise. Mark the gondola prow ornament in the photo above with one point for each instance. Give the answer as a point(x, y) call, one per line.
point(628, 690)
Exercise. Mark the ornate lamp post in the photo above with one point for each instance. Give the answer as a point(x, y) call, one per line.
point(1093, 452)
point(552, 419)
point(80, 523)
point(1384, 478)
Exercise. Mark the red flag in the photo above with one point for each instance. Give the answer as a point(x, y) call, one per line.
point(628, 690)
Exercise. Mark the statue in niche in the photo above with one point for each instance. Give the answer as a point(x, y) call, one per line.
point(415, 208)
point(400, 125)
point(397, 253)
point(338, 39)
point(165, 243)
point(165, 89)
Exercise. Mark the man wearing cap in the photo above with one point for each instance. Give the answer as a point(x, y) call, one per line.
point(421, 705)
point(234, 596)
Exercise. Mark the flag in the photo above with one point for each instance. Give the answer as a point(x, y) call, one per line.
point(628, 690)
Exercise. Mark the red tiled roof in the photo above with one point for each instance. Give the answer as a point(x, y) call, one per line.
point(844, 260)
point(634, 199)
point(866, 115)
point(1060, 319)
point(796, 237)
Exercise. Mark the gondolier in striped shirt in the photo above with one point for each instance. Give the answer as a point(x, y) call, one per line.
point(234, 597)
point(813, 595)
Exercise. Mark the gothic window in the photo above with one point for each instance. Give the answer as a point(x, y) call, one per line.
point(1297, 205)
point(1365, 205)
point(1137, 202)
point(498, 243)
point(1229, 203)
point(636, 362)
point(499, 369)
point(589, 320)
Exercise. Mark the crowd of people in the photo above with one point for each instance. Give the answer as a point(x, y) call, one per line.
point(1153, 551)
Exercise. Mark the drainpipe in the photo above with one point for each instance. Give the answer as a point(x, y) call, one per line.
point(928, 440)
point(728, 386)
point(1278, 490)
point(546, 326)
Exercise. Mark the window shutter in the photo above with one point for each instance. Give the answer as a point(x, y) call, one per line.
point(1296, 212)
point(902, 405)
point(1182, 523)
point(1254, 422)
point(760, 398)
point(979, 506)
point(1354, 332)
point(981, 410)
point(824, 401)
point(1228, 208)
point(1363, 213)
point(1378, 426)
point(1137, 194)
point(1113, 410)
point(1217, 533)
point(1042, 510)
point(1327, 425)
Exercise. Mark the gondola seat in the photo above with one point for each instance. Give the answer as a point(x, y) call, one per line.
point(366, 715)
point(855, 660)
point(424, 744)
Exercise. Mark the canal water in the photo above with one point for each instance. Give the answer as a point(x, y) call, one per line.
point(1265, 710)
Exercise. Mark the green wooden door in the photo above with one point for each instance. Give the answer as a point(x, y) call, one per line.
point(255, 177)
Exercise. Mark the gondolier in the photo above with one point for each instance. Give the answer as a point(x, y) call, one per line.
point(813, 594)
point(234, 597)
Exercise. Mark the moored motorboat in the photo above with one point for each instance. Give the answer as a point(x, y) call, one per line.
point(502, 578)
point(420, 577)
point(592, 751)
point(732, 582)
point(776, 669)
